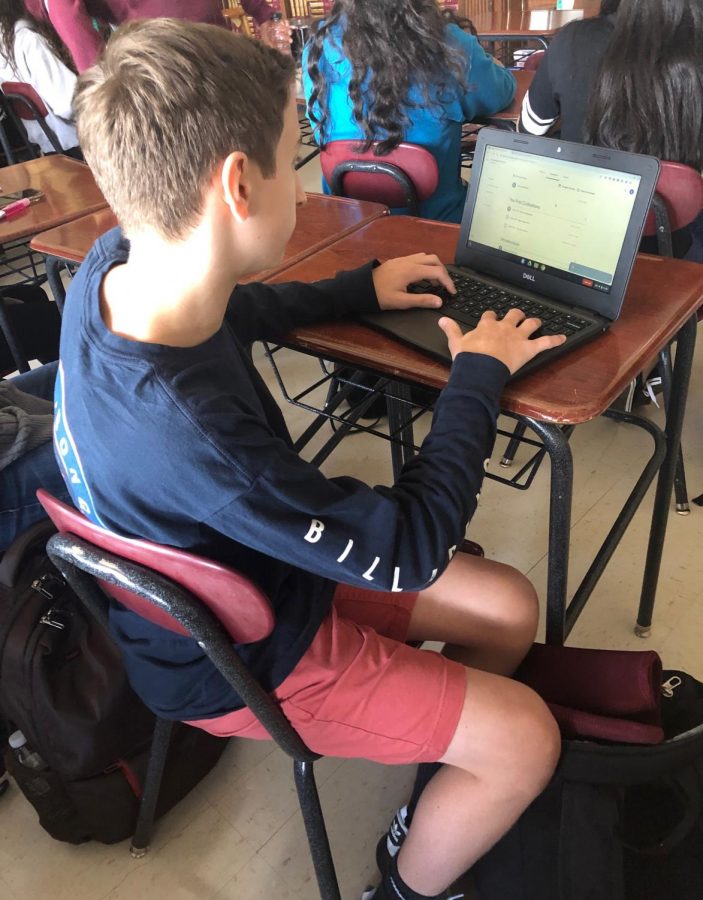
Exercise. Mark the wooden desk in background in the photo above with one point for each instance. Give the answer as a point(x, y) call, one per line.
point(661, 303)
point(69, 192)
point(320, 221)
point(513, 21)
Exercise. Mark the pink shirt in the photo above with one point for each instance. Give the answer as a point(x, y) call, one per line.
point(72, 19)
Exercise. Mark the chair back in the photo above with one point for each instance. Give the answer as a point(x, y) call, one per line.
point(242, 609)
point(681, 190)
point(401, 179)
point(533, 61)
point(26, 104)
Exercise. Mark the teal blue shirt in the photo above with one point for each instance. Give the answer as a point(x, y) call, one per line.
point(436, 126)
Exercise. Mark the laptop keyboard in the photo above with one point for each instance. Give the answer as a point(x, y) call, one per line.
point(474, 297)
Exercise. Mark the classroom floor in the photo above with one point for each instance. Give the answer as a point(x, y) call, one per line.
point(238, 835)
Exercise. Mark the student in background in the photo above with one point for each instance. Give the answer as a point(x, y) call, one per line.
point(74, 19)
point(631, 80)
point(31, 51)
point(27, 460)
point(648, 94)
point(379, 70)
point(564, 81)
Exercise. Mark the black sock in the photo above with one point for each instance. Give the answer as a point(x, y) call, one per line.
point(425, 773)
point(394, 888)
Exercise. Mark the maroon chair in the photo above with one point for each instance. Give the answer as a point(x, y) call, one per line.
point(678, 201)
point(533, 61)
point(205, 600)
point(401, 179)
point(26, 104)
point(208, 601)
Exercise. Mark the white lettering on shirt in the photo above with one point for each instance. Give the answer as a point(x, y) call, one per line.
point(367, 573)
point(315, 531)
point(396, 580)
point(347, 550)
point(451, 551)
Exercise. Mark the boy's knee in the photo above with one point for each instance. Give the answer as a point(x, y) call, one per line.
point(539, 741)
point(524, 603)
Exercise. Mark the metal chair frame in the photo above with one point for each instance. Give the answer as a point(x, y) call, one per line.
point(82, 563)
point(13, 98)
point(376, 168)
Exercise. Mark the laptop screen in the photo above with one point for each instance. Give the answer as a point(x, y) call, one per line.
point(564, 218)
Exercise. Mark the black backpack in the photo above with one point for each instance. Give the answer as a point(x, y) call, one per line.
point(62, 683)
point(617, 821)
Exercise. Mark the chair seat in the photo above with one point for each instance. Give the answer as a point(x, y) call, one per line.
point(216, 585)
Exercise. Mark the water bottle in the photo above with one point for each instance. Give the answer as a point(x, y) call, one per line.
point(280, 34)
point(29, 759)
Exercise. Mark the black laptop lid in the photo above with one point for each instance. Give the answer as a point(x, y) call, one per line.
point(562, 219)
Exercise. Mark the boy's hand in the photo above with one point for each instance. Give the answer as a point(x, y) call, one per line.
point(507, 339)
point(391, 281)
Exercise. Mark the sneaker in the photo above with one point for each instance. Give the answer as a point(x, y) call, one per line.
point(391, 842)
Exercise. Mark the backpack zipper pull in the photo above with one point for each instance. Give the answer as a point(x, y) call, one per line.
point(670, 685)
point(46, 586)
point(47, 619)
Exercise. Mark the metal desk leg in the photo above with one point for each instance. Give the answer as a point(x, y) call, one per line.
point(686, 342)
point(53, 264)
point(399, 425)
point(13, 342)
point(561, 485)
point(680, 490)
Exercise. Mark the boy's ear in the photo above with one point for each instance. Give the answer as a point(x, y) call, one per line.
point(236, 184)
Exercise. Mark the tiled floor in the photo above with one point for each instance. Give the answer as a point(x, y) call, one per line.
point(238, 836)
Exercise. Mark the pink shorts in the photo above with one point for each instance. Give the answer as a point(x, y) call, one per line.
point(360, 691)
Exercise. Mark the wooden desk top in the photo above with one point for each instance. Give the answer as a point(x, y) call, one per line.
point(663, 294)
point(320, 221)
point(69, 192)
point(511, 113)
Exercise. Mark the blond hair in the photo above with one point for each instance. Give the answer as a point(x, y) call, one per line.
point(165, 104)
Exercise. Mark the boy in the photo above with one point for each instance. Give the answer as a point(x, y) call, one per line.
point(166, 431)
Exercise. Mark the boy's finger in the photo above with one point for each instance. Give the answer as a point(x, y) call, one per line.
point(547, 342)
point(437, 272)
point(514, 316)
point(530, 325)
point(429, 300)
point(451, 329)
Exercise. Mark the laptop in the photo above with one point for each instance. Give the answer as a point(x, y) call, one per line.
point(550, 227)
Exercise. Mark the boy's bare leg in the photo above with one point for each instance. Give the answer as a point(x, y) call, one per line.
point(485, 611)
point(506, 745)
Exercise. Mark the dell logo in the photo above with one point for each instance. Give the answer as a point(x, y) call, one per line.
point(528, 276)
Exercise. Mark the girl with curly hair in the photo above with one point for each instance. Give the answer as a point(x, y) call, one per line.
point(382, 71)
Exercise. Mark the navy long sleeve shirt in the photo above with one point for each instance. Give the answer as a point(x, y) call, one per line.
point(187, 447)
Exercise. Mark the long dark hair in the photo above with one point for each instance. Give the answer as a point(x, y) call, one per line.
point(453, 18)
point(11, 11)
point(648, 94)
point(394, 46)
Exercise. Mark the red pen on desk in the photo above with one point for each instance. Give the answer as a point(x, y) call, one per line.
point(12, 209)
